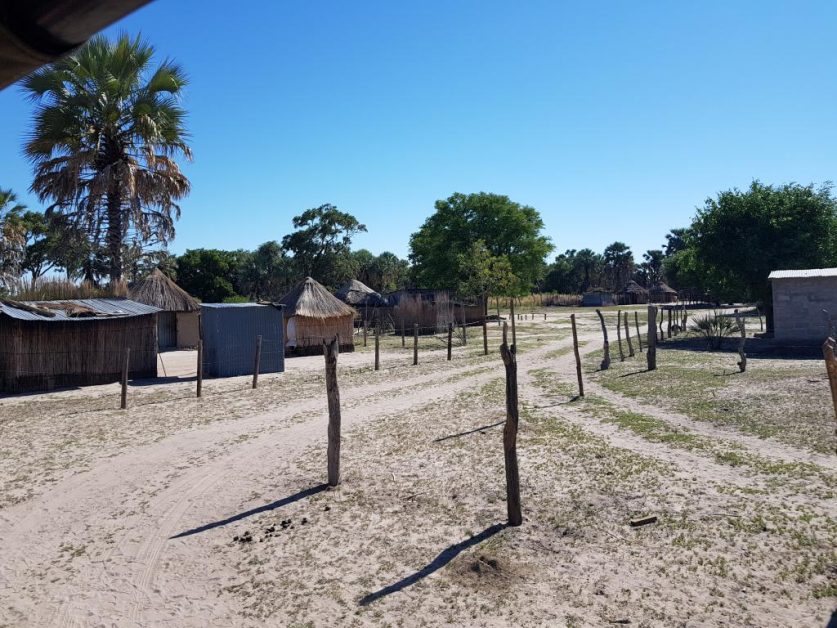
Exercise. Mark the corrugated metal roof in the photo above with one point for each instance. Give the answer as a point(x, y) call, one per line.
point(808, 273)
point(219, 306)
point(106, 309)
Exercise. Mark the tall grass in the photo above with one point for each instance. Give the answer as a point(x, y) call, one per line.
point(52, 289)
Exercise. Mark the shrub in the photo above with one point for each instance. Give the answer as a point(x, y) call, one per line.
point(714, 328)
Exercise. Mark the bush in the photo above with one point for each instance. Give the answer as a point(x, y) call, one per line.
point(714, 328)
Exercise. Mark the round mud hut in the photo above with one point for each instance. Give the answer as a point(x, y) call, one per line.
point(633, 294)
point(662, 293)
point(312, 315)
point(178, 323)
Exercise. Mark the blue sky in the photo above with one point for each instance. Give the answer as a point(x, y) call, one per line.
point(614, 119)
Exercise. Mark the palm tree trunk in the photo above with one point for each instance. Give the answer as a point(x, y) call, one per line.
point(114, 236)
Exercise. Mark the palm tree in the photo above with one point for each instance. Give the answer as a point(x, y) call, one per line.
point(12, 239)
point(106, 131)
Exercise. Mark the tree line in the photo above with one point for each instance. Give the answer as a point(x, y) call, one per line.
point(108, 130)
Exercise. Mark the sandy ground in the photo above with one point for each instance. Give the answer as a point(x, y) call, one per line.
point(188, 512)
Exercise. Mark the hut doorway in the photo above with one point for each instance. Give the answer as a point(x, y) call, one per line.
point(167, 330)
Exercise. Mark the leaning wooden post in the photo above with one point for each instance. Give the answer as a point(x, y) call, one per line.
point(514, 331)
point(619, 334)
point(484, 335)
point(331, 350)
point(651, 354)
point(257, 361)
point(742, 363)
point(606, 360)
point(378, 346)
point(510, 438)
point(828, 349)
point(124, 399)
point(628, 336)
point(577, 357)
point(669, 323)
point(200, 369)
point(638, 333)
point(662, 335)
point(450, 340)
point(415, 344)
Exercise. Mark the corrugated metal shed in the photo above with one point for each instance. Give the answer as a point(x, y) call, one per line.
point(104, 308)
point(229, 338)
point(809, 273)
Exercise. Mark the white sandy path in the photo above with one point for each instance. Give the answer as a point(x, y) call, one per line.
point(143, 497)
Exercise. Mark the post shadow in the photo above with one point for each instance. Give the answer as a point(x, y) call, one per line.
point(308, 492)
point(436, 564)
point(479, 429)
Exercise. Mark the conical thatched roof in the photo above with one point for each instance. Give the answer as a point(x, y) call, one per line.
point(160, 291)
point(357, 293)
point(310, 298)
point(633, 287)
point(662, 286)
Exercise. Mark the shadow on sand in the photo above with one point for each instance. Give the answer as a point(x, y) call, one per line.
point(436, 564)
point(479, 429)
point(308, 492)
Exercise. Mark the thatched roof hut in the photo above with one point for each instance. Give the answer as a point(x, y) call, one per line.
point(51, 344)
point(359, 295)
point(661, 292)
point(633, 293)
point(313, 314)
point(179, 319)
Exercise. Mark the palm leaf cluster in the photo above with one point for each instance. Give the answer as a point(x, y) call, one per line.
point(107, 130)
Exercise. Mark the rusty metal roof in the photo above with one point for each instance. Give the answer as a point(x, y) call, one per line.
point(808, 273)
point(103, 309)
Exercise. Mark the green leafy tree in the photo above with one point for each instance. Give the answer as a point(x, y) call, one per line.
point(321, 244)
point(12, 237)
point(210, 274)
point(618, 265)
point(738, 238)
point(389, 273)
point(504, 227)
point(483, 274)
point(266, 273)
point(650, 271)
point(107, 129)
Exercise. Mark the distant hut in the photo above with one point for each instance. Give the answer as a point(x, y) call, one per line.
point(597, 297)
point(178, 323)
point(313, 314)
point(633, 293)
point(432, 310)
point(53, 344)
point(662, 293)
point(358, 295)
point(230, 333)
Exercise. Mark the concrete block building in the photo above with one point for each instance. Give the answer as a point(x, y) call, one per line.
point(799, 298)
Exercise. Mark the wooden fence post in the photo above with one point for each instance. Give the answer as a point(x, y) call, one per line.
point(651, 354)
point(669, 323)
point(200, 369)
point(628, 336)
point(619, 334)
point(828, 349)
point(606, 360)
point(415, 344)
point(577, 357)
point(123, 403)
point(403, 335)
point(364, 331)
point(514, 331)
point(450, 340)
point(378, 346)
point(742, 363)
point(257, 361)
point(510, 438)
point(484, 335)
point(638, 332)
point(662, 335)
point(331, 350)
point(464, 335)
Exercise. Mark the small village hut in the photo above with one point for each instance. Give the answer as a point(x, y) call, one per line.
point(178, 323)
point(313, 314)
point(597, 297)
point(230, 332)
point(661, 292)
point(633, 294)
point(54, 344)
